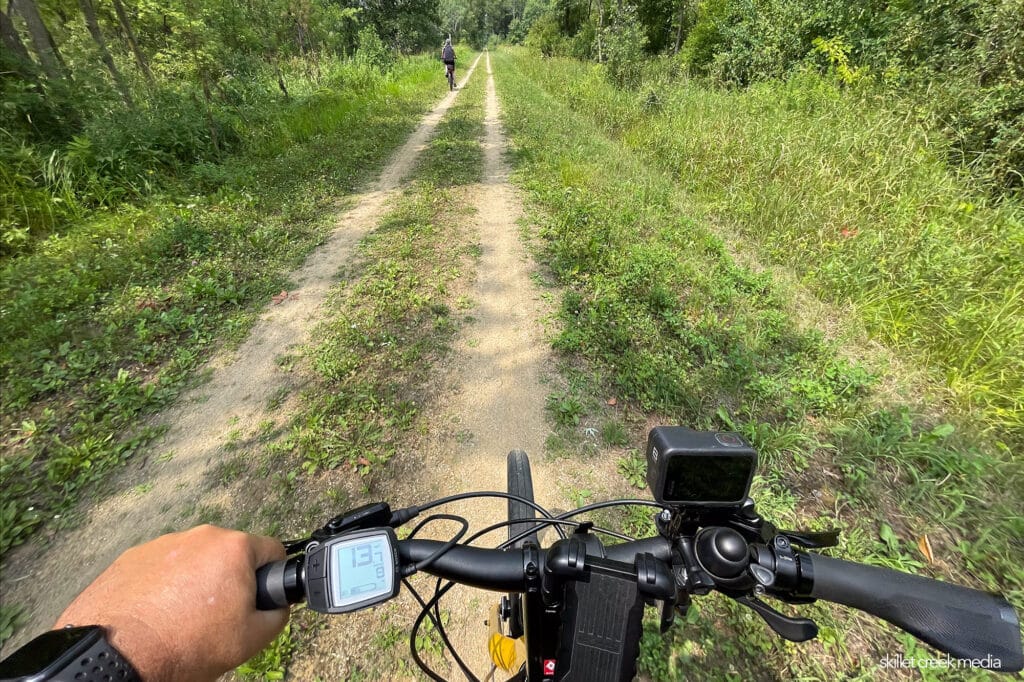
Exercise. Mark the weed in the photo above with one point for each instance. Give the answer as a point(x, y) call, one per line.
point(277, 398)
point(272, 662)
point(579, 496)
point(428, 639)
point(614, 433)
point(390, 636)
point(11, 617)
point(566, 409)
point(633, 468)
point(265, 429)
point(231, 441)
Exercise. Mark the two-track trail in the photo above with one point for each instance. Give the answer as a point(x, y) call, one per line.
point(497, 403)
point(43, 580)
point(487, 400)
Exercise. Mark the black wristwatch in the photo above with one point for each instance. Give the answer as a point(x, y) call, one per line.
point(71, 654)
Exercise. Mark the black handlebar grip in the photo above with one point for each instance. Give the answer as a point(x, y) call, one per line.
point(279, 584)
point(966, 623)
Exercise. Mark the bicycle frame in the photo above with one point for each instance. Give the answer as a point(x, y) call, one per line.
point(541, 625)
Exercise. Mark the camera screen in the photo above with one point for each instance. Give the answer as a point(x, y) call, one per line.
point(702, 478)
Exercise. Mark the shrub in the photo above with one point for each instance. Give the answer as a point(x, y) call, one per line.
point(624, 42)
point(372, 51)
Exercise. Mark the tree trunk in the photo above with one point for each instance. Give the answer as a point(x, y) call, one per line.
point(94, 29)
point(42, 41)
point(280, 79)
point(126, 24)
point(679, 30)
point(209, 114)
point(11, 39)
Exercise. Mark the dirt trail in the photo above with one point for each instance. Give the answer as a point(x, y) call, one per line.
point(234, 400)
point(498, 404)
point(488, 399)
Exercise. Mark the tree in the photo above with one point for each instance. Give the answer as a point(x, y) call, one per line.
point(12, 41)
point(133, 44)
point(10, 37)
point(42, 42)
point(656, 18)
point(94, 30)
point(453, 13)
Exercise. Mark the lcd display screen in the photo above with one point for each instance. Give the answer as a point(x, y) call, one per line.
point(707, 479)
point(362, 570)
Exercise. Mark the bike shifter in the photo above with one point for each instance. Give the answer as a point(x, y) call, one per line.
point(793, 629)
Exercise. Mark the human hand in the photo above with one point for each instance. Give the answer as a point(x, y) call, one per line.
point(183, 606)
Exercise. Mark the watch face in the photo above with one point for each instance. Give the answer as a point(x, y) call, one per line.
point(48, 649)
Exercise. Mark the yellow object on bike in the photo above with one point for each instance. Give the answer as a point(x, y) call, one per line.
point(506, 653)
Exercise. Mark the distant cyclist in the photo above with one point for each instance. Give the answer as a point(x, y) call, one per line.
point(448, 57)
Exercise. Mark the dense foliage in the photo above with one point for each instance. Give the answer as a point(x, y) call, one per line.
point(161, 168)
point(956, 66)
point(106, 102)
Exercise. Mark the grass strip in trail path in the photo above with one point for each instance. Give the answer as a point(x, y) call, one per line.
point(215, 416)
point(365, 375)
point(657, 314)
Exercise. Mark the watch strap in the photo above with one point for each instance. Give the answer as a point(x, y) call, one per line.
point(100, 663)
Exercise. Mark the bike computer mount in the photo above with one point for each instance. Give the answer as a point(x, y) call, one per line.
point(352, 571)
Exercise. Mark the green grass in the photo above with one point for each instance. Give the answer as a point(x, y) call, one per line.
point(385, 328)
point(105, 321)
point(852, 195)
point(657, 313)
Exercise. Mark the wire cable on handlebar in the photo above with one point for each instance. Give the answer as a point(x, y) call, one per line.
point(420, 565)
point(440, 590)
point(493, 493)
point(439, 626)
point(609, 503)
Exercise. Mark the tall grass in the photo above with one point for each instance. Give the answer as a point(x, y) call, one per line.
point(855, 198)
point(657, 313)
point(123, 156)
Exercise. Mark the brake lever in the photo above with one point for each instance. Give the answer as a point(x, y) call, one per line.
point(793, 629)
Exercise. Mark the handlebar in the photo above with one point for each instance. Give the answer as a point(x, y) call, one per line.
point(967, 623)
point(964, 622)
point(279, 584)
